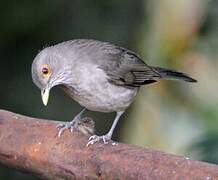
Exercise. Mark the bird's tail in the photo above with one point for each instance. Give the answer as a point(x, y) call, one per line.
point(174, 75)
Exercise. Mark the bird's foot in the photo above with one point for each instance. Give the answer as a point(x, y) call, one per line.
point(69, 125)
point(93, 139)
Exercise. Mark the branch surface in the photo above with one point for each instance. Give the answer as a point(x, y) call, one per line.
point(31, 145)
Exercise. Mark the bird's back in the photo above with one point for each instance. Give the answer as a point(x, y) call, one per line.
point(102, 53)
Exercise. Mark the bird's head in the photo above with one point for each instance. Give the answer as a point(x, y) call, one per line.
point(48, 70)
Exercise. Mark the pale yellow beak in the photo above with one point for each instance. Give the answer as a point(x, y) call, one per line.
point(45, 96)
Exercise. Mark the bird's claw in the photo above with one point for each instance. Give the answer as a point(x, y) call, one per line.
point(59, 126)
point(93, 139)
point(71, 126)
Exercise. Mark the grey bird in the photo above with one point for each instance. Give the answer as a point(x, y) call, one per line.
point(100, 76)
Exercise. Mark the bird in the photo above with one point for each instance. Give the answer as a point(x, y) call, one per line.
point(100, 76)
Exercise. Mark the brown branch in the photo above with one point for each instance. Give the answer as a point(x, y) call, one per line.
point(32, 145)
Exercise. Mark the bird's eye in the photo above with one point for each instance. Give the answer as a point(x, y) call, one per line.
point(46, 72)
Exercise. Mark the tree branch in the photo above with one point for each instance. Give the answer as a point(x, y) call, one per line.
point(31, 145)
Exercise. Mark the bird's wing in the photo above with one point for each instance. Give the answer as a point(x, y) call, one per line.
point(122, 66)
point(127, 69)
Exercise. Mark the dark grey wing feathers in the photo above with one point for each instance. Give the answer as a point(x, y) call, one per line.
point(129, 70)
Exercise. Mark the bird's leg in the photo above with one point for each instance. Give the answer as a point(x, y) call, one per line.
point(70, 125)
point(107, 137)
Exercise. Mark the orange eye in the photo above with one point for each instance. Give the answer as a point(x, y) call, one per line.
point(46, 72)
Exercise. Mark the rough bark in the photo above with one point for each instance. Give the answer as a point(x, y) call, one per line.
point(31, 145)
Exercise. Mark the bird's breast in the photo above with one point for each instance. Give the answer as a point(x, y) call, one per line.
point(96, 93)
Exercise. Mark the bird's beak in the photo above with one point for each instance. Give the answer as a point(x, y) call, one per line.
point(45, 95)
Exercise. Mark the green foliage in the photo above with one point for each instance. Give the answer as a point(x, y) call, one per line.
point(206, 148)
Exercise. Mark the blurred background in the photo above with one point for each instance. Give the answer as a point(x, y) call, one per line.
point(174, 117)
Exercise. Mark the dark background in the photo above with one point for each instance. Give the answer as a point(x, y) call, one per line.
point(174, 117)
